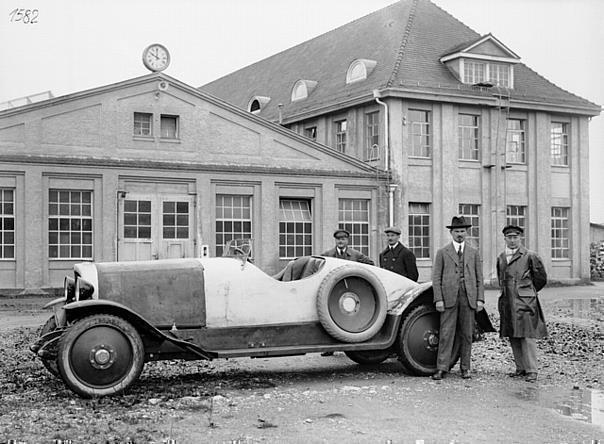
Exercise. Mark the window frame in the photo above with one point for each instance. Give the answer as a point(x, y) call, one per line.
point(135, 123)
point(307, 228)
point(310, 129)
point(360, 236)
point(473, 236)
point(245, 207)
point(564, 145)
point(58, 215)
point(371, 132)
point(557, 233)
point(422, 248)
point(176, 126)
point(340, 136)
point(7, 212)
point(510, 132)
point(463, 130)
point(425, 131)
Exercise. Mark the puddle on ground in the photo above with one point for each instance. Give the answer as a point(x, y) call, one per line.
point(584, 308)
point(583, 404)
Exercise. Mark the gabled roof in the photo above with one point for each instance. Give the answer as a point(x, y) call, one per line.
point(305, 151)
point(406, 39)
point(467, 47)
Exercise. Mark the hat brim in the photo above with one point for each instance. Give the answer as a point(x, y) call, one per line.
point(451, 227)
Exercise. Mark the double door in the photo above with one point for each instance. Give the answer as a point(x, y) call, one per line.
point(156, 226)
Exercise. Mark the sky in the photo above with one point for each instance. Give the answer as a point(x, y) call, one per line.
point(80, 44)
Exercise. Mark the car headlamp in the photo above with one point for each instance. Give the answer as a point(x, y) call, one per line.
point(83, 290)
point(69, 286)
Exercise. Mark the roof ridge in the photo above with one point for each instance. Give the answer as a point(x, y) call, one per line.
point(560, 88)
point(305, 42)
point(404, 40)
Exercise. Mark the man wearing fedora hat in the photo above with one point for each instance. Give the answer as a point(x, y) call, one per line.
point(521, 275)
point(343, 251)
point(458, 294)
point(396, 257)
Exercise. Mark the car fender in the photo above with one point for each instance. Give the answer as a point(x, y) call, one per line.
point(79, 309)
point(400, 305)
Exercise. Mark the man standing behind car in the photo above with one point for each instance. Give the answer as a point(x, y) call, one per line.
point(396, 257)
point(343, 251)
point(521, 275)
point(458, 293)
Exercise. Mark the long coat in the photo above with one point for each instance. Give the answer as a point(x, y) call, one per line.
point(400, 260)
point(350, 255)
point(445, 275)
point(520, 312)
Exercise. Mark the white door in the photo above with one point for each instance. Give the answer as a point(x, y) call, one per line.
point(156, 226)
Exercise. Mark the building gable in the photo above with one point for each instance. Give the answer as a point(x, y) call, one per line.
point(157, 118)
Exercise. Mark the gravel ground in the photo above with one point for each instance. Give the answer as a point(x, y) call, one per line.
point(281, 399)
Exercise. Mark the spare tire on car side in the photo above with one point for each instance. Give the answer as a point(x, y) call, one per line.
point(352, 303)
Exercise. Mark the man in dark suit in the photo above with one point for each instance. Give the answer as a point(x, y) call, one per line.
point(396, 257)
point(343, 251)
point(458, 294)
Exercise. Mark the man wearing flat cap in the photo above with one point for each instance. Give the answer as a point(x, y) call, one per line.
point(396, 257)
point(343, 251)
point(521, 275)
point(458, 294)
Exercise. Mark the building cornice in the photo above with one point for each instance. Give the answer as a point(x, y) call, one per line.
point(96, 162)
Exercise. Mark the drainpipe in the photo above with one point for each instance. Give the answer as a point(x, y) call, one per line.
point(391, 187)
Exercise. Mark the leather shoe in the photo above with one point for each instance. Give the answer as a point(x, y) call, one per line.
point(465, 374)
point(517, 374)
point(438, 375)
point(531, 377)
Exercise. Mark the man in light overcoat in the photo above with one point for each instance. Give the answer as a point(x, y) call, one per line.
point(458, 293)
point(521, 275)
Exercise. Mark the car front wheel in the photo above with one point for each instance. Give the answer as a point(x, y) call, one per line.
point(50, 364)
point(100, 355)
point(418, 340)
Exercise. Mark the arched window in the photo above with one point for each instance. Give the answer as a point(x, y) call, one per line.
point(256, 104)
point(359, 70)
point(302, 89)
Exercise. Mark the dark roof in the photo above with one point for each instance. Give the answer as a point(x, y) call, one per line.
point(406, 39)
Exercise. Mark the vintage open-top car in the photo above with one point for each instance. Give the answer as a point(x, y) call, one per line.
point(115, 316)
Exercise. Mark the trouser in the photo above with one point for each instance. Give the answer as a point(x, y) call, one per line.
point(525, 354)
point(456, 328)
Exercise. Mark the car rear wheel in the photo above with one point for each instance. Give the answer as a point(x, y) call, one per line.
point(50, 364)
point(417, 344)
point(369, 357)
point(418, 340)
point(351, 304)
point(100, 355)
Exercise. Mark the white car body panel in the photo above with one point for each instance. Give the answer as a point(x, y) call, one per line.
point(239, 295)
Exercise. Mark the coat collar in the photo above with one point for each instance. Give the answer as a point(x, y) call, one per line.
point(521, 251)
point(450, 250)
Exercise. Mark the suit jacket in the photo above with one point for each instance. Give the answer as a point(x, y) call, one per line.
point(400, 260)
point(350, 255)
point(446, 271)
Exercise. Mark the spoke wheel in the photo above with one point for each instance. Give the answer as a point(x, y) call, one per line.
point(100, 355)
point(50, 364)
point(369, 357)
point(351, 304)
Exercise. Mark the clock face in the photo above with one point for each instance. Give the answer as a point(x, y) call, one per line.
point(156, 57)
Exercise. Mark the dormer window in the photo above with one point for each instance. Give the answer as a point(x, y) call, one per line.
point(483, 61)
point(256, 104)
point(302, 89)
point(359, 70)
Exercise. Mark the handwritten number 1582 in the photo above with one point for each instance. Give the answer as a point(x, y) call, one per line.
point(24, 15)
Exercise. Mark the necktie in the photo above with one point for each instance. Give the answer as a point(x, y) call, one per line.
point(459, 252)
